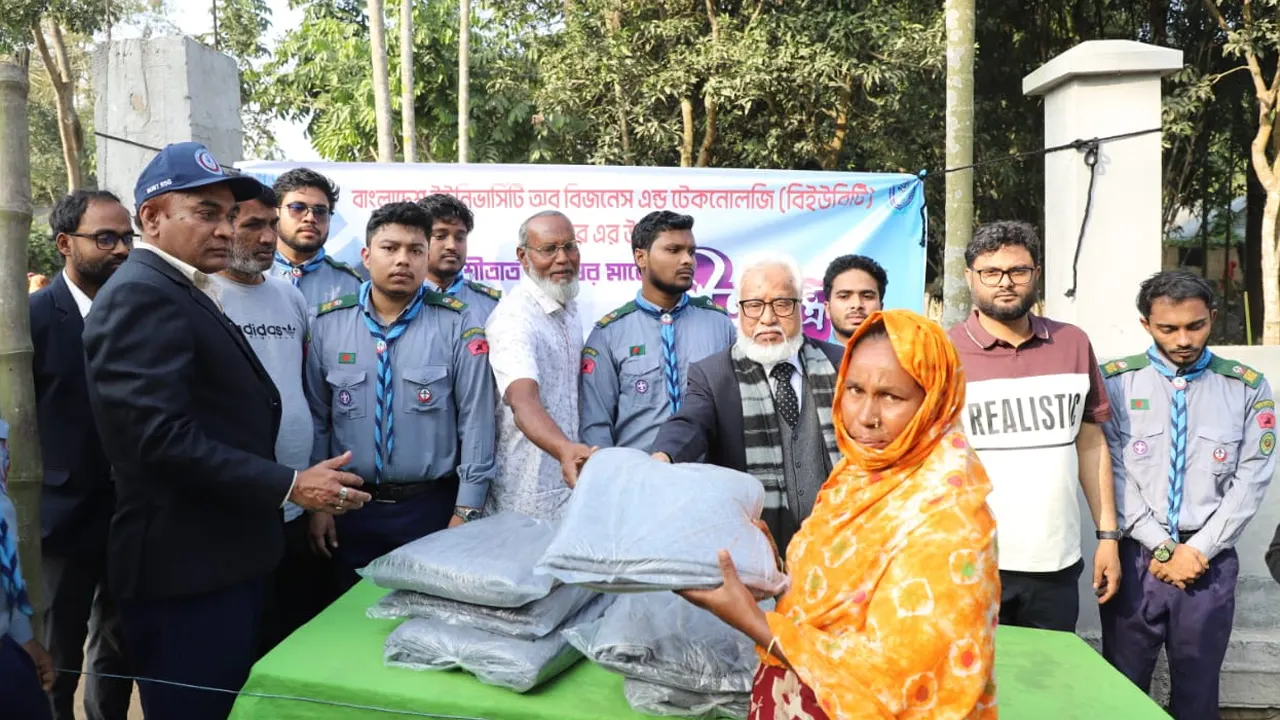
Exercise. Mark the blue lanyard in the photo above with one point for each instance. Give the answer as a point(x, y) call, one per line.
point(385, 388)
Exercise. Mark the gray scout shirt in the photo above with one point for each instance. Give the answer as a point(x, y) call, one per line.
point(321, 279)
point(480, 298)
point(1231, 435)
point(623, 388)
point(443, 399)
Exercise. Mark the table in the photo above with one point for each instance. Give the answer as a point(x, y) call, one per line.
point(336, 659)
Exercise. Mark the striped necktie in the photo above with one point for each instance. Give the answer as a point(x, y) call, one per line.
point(297, 271)
point(1180, 379)
point(15, 590)
point(384, 412)
point(670, 363)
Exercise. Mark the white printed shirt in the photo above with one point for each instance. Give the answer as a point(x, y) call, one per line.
point(531, 336)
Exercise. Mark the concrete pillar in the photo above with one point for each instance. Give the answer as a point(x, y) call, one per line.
point(1096, 89)
point(159, 91)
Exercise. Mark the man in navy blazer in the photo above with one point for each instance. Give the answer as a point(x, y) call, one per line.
point(188, 418)
point(92, 232)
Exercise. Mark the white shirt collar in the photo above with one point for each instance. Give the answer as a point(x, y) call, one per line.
point(202, 281)
point(795, 363)
point(83, 302)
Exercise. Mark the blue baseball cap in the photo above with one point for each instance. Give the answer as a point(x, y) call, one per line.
point(185, 166)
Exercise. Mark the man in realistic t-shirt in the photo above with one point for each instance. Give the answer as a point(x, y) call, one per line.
point(1033, 410)
point(272, 314)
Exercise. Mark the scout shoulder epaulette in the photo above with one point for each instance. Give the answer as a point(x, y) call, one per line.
point(338, 303)
point(1237, 370)
point(706, 303)
point(431, 297)
point(483, 289)
point(339, 265)
point(1124, 365)
point(621, 312)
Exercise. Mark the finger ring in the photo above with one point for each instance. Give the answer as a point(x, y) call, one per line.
point(342, 494)
point(338, 505)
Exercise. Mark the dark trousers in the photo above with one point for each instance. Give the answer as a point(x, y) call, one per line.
point(20, 693)
point(1041, 600)
point(209, 640)
point(80, 606)
point(1193, 625)
point(378, 528)
point(298, 589)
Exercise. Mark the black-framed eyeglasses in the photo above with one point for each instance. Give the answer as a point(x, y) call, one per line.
point(299, 210)
point(992, 277)
point(107, 239)
point(782, 307)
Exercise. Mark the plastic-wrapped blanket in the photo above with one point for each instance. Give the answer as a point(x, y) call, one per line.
point(534, 620)
point(485, 562)
point(513, 663)
point(637, 524)
point(654, 699)
point(662, 638)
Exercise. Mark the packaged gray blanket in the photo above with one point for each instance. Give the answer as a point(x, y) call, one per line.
point(485, 562)
point(662, 638)
point(513, 663)
point(637, 524)
point(653, 699)
point(534, 620)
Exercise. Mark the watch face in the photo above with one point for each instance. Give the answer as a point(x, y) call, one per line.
point(1162, 554)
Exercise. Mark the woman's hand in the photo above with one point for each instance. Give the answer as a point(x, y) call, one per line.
point(733, 602)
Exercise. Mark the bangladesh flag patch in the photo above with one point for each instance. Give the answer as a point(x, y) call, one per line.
point(636, 351)
point(1141, 404)
point(347, 358)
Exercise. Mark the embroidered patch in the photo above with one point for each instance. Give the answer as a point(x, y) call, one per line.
point(478, 346)
point(1250, 376)
point(347, 358)
point(588, 365)
point(1139, 447)
point(424, 395)
point(1267, 420)
point(1140, 404)
point(642, 386)
point(1220, 454)
point(1267, 442)
point(589, 351)
point(473, 332)
point(1264, 404)
point(636, 351)
point(344, 398)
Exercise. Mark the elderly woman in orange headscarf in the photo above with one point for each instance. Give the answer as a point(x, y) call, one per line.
point(895, 591)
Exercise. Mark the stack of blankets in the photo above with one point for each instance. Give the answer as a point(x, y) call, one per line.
point(474, 602)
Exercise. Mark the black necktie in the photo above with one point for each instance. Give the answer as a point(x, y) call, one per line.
point(784, 396)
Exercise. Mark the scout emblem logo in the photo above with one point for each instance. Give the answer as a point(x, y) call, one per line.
point(296, 272)
point(642, 386)
point(1179, 383)
point(204, 159)
point(588, 365)
point(1122, 364)
point(1220, 454)
point(478, 346)
point(344, 398)
point(666, 318)
point(1267, 442)
point(1267, 420)
point(1139, 447)
point(424, 395)
point(381, 346)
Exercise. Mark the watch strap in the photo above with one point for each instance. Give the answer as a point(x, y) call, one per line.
point(1109, 534)
point(468, 514)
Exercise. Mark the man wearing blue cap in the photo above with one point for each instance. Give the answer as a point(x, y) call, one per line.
point(189, 418)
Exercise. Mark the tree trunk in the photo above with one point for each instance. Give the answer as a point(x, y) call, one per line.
point(831, 158)
point(17, 393)
point(709, 134)
point(1255, 201)
point(959, 137)
point(614, 24)
point(1270, 271)
point(407, 114)
point(381, 82)
point(64, 90)
point(464, 80)
point(686, 143)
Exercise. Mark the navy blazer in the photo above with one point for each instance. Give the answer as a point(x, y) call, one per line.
point(710, 419)
point(188, 418)
point(78, 496)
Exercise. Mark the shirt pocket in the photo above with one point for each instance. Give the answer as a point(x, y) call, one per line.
point(426, 389)
point(350, 390)
point(1217, 451)
point(642, 383)
point(1147, 451)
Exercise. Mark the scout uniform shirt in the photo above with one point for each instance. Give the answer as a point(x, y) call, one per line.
point(442, 393)
point(625, 395)
point(320, 279)
point(1230, 437)
point(480, 298)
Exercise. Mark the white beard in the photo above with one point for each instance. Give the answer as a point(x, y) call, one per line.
point(560, 292)
point(771, 354)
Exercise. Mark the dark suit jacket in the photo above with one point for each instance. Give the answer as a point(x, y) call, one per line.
point(188, 418)
point(78, 496)
point(710, 419)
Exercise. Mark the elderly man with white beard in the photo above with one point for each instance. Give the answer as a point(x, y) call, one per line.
point(535, 349)
point(764, 405)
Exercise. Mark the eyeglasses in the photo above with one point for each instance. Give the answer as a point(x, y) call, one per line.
point(299, 210)
point(782, 307)
point(992, 277)
point(550, 251)
point(107, 239)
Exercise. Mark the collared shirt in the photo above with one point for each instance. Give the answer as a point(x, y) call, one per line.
point(331, 279)
point(83, 302)
point(202, 281)
point(534, 337)
point(478, 296)
point(797, 378)
point(12, 623)
point(1023, 410)
point(1229, 452)
point(443, 396)
point(624, 386)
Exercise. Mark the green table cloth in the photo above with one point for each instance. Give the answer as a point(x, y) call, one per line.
point(332, 669)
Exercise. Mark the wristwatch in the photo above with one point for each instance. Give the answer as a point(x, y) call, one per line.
point(1109, 534)
point(468, 514)
point(1164, 551)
